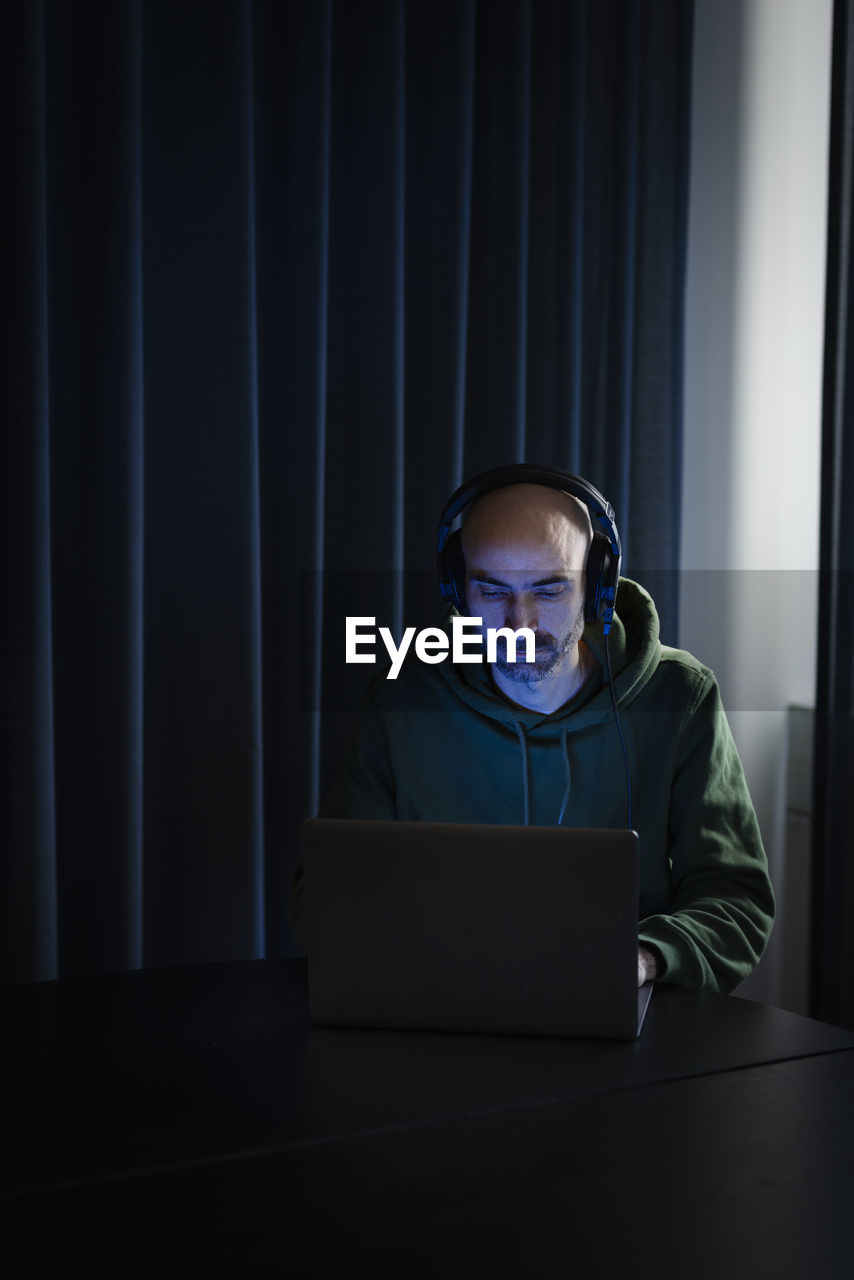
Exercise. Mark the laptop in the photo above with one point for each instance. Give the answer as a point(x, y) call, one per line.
point(469, 927)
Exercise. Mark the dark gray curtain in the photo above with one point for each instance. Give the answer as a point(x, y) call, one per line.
point(283, 274)
point(832, 978)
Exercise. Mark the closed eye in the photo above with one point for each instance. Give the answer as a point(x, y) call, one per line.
point(542, 593)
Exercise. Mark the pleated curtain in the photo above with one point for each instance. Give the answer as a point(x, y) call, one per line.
point(280, 276)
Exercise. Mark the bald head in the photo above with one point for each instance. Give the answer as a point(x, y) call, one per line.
point(530, 518)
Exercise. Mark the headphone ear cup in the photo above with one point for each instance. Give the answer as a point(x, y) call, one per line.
point(455, 571)
point(599, 572)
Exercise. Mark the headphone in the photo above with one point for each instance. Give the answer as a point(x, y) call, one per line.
point(603, 560)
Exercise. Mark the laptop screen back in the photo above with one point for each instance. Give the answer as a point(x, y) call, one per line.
point(465, 927)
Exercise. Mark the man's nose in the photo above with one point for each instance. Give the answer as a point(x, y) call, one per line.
point(522, 612)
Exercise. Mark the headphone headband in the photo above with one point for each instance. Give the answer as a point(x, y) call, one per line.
point(603, 562)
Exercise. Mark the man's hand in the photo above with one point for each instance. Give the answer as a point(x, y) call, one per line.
point(647, 966)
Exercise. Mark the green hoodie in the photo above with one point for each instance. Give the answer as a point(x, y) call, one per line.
point(439, 744)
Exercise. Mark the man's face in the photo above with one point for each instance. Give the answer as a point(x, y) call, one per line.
point(524, 568)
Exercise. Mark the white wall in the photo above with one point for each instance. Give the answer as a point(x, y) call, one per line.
point(754, 340)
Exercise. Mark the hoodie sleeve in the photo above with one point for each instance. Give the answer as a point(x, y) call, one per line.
point(364, 787)
point(723, 904)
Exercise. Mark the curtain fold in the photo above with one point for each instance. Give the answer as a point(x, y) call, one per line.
point(28, 940)
point(832, 906)
point(203, 866)
point(285, 272)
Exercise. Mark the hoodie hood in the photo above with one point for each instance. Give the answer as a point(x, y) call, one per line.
point(635, 651)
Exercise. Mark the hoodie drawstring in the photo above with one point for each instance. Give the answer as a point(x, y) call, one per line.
point(526, 782)
point(565, 749)
point(526, 785)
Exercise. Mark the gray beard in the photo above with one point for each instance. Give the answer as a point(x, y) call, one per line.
point(534, 672)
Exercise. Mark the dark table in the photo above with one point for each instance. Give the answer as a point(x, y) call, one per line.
point(181, 1121)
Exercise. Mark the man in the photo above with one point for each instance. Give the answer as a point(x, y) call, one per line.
point(537, 742)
